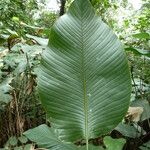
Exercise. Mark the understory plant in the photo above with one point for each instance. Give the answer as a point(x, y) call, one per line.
point(83, 82)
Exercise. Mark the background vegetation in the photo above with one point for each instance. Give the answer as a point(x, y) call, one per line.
point(24, 32)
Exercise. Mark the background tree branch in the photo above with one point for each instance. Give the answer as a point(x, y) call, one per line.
point(62, 7)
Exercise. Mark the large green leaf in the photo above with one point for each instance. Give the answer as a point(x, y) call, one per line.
point(128, 131)
point(84, 81)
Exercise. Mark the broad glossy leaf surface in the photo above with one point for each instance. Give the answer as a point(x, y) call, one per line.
point(84, 81)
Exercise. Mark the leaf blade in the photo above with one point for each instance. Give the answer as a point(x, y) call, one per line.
point(45, 137)
point(81, 69)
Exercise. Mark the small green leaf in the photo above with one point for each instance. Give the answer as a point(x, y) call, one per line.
point(138, 51)
point(135, 51)
point(32, 27)
point(114, 144)
point(4, 36)
point(16, 19)
point(23, 139)
point(12, 32)
point(28, 147)
point(5, 98)
point(5, 88)
point(143, 35)
point(13, 141)
point(18, 148)
point(39, 40)
point(144, 52)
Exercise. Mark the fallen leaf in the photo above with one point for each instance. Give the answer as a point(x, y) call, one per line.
point(134, 113)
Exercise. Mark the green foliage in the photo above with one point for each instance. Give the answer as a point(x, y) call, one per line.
point(13, 142)
point(128, 131)
point(5, 88)
point(18, 97)
point(20, 16)
point(19, 10)
point(46, 19)
point(46, 137)
point(23, 139)
point(142, 35)
point(138, 52)
point(39, 40)
point(143, 22)
point(145, 146)
point(114, 144)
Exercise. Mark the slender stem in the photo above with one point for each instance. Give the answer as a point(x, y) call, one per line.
point(87, 144)
point(132, 77)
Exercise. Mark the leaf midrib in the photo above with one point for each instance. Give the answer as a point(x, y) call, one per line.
point(85, 100)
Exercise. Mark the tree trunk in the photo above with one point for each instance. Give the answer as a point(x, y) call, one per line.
point(62, 7)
